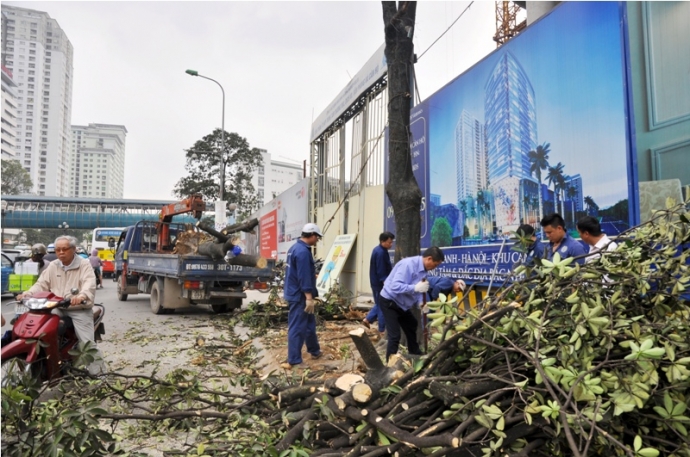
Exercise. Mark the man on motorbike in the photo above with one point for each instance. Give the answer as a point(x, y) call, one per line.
point(60, 277)
point(38, 251)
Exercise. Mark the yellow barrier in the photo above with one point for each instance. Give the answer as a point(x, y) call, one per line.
point(471, 299)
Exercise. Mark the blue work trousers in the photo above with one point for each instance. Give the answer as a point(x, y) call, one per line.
point(301, 329)
point(375, 314)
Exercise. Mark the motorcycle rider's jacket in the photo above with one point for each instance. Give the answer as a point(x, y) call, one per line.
point(60, 280)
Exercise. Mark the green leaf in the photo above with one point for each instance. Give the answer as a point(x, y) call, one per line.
point(637, 443)
point(648, 452)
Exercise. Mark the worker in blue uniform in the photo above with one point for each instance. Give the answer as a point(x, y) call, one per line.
point(444, 285)
point(535, 249)
point(402, 291)
point(559, 240)
point(379, 269)
point(299, 292)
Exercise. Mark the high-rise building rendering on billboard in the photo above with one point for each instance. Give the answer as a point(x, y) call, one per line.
point(470, 156)
point(576, 195)
point(39, 55)
point(97, 169)
point(511, 132)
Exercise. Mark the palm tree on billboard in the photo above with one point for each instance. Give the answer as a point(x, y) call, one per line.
point(562, 186)
point(554, 177)
point(487, 211)
point(539, 158)
point(480, 207)
point(591, 205)
point(572, 193)
point(463, 210)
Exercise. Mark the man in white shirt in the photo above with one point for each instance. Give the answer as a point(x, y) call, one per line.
point(590, 232)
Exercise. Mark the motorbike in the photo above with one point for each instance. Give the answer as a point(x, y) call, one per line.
point(278, 280)
point(41, 342)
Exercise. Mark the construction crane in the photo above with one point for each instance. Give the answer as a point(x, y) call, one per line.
point(193, 204)
point(506, 21)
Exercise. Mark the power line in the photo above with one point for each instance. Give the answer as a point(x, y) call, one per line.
point(446, 31)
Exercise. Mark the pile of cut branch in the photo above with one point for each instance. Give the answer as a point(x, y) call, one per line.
point(572, 360)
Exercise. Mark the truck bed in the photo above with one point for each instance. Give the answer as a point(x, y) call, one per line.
point(195, 267)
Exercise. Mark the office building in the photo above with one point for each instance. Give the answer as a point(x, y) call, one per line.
point(511, 132)
point(470, 156)
point(39, 55)
point(97, 169)
point(272, 177)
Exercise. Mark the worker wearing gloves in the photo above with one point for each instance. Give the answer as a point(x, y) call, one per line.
point(300, 293)
point(444, 285)
point(402, 291)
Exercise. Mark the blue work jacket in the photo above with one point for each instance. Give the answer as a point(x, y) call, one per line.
point(300, 273)
point(569, 248)
point(439, 285)
point(379, 267)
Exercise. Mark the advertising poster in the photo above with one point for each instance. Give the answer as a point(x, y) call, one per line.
point(267, 235)
point(293, 209)
point(334, 262)
point(538, 126)
point(280, 223)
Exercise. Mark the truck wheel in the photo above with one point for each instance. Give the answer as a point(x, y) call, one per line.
point(157, 299)
point(218, 309)
point(235, 303)
point(120, 295)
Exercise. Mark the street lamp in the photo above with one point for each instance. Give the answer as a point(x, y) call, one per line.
point(222, 135)
point(64, 226)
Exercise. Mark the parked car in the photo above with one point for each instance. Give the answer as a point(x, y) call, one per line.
point(7, 270)
point(11, 253)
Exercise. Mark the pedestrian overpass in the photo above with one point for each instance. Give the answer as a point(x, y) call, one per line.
point(79, 213)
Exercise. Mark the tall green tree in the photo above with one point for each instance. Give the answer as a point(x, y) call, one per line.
point(203, 164)
point(402, 187)
point(15, 179)
point(539, 158)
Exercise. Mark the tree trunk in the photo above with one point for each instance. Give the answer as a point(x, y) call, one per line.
point(246, 226)
point(402, 187)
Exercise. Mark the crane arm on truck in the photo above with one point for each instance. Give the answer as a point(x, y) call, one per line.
point(193, 204)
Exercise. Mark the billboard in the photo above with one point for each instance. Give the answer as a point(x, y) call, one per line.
point(538, 126)
point(280, 223)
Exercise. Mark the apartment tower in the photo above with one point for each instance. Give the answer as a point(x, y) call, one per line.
point(97, 169)
point(39, 55)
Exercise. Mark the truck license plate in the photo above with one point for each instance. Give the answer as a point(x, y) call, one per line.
point(197, 294)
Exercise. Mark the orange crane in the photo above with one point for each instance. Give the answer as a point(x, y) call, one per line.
point(193, 204)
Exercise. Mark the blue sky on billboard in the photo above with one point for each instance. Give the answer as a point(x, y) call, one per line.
point(573, 61)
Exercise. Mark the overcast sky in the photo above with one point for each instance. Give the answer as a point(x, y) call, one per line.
point(280, 63)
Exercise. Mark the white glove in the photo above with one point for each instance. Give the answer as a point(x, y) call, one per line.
point(421, 287)
point(462, 284)
point(311, 303)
